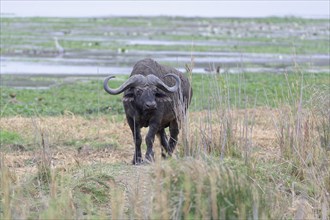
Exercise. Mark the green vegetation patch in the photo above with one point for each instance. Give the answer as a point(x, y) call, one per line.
point(254, 89)
point(237, 90)
point(78, 98)
point(8, 137)
point(97, 187)
point(306, 36)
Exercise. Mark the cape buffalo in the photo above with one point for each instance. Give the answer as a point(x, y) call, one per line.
point(156, 96)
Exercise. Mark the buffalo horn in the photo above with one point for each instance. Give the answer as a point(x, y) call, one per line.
point(160, 84)
point(131, 82)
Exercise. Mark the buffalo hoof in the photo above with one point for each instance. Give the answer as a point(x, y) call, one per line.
point(150, 157)
point(137, 161)
point(164, 155)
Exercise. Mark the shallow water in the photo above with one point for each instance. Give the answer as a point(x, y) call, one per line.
point(85, 41)
point(101, 63)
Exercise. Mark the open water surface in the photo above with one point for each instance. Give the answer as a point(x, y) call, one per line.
point(30, 59)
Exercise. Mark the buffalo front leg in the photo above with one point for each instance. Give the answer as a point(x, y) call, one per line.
point(150, 138)
point(136, 131)
point(164, 142)
point(174, 132)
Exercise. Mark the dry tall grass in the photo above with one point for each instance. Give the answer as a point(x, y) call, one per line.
point(232, 164)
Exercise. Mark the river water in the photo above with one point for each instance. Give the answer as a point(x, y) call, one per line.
point(36, 54)
point(206, 62)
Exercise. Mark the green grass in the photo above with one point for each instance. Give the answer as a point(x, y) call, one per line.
point(297, 46)
point(89, 98)
point(8, 137)
point(213, 29)
point(79, 98)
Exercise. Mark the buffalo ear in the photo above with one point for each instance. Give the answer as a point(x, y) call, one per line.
point(161, 97)
point(128, 96)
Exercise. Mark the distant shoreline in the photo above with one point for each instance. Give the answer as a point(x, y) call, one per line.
point(12, 15)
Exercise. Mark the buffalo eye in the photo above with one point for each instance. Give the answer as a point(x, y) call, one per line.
point(138, 92)
point(129, 96)
point(160, 95)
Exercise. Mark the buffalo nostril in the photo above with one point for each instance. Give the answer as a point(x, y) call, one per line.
point(150, 105)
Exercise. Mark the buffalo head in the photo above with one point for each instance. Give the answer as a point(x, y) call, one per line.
point(144, 91)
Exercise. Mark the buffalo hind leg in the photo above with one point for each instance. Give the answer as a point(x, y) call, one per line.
point(174, 132)
point(163, 141)
point(136, 131)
